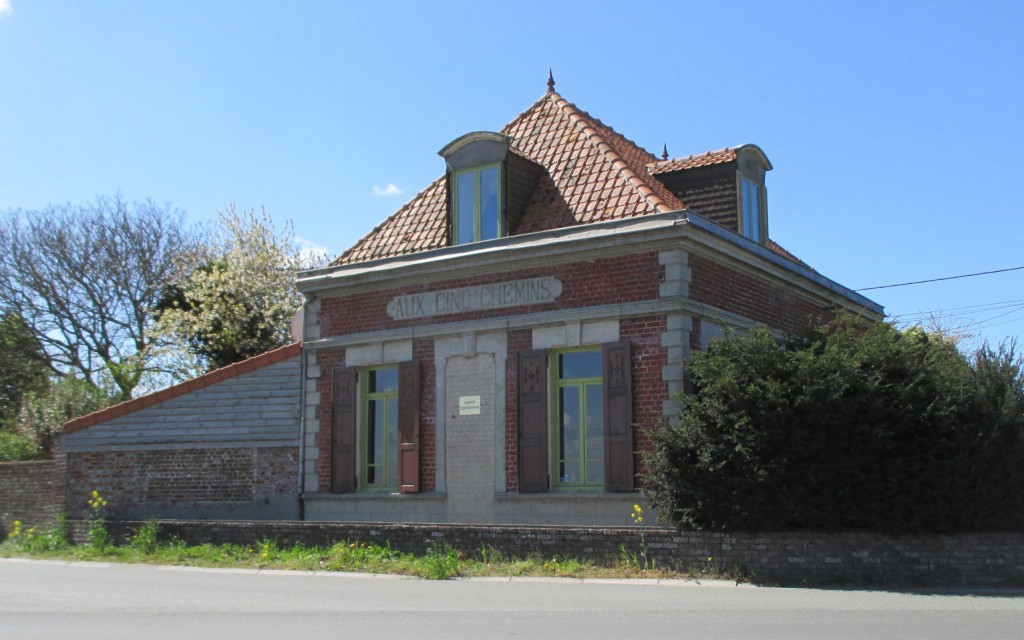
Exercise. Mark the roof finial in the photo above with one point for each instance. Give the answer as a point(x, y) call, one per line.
point(551, 81)
point(664, 152)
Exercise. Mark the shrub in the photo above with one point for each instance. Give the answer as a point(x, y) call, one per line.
point(848, 428)
point(16, 448)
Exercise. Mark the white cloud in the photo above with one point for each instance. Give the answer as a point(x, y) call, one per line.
point(391, 190)
point(310, 253)
point(5, 8)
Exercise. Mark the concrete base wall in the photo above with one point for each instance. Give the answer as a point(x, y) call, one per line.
point(370, 507)
point(568, 509)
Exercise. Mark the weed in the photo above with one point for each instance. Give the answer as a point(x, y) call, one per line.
point(441, 563)
point(98, 536)
point(144, 540)
point(490, 555)
point(641, 560)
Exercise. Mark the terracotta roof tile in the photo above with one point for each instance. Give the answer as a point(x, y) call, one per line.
point(217, 375)
point(777, 249)
point(593, 174)
point(692, 162)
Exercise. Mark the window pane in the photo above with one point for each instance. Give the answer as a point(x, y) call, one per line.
point(393, 441)
point(489, 206)
point(595, 434)
point(569, 434)
point(755, 213)
point(580, 364)
point(751, 210)
point(384, 380)
point(374, 418)
point(746, 207)
point(465, 206)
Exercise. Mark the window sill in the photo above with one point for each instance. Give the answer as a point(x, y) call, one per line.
point(567, 495)
point(371, 495)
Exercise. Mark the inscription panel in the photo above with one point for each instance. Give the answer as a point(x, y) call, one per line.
point(478, 298)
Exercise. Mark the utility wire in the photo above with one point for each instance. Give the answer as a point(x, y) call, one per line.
point(966, 275)
point(1001, 315)
point(954, 312)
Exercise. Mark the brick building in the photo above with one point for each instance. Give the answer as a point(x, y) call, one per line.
point(495, 351)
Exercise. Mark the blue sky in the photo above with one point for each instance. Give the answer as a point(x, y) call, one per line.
point(895, 128)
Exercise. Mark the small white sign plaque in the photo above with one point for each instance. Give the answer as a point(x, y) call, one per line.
point(469, 405)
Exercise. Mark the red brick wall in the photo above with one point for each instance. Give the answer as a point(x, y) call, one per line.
point(31, 493)
point(743, 294)
point(649, 390)
point(328, 361)
point(423, 351)
point(180, 478)
point(599, 281)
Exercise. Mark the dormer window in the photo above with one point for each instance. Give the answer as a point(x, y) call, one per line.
point(476, 204)
point(751, 166)
point(476, 167)
point(489, 185)
point(724, 186)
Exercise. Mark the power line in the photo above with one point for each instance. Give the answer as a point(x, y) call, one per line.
point(954, 312)
point(1001, 315)
point(966, 275)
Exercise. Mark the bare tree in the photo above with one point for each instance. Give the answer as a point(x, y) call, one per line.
point(86, 280)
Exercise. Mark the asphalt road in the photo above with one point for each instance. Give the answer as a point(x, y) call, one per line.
point(41, 599)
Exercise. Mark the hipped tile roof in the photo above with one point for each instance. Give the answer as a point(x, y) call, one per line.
point(593, 174)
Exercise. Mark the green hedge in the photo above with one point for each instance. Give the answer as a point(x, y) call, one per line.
point(849, 428)
point(16, 448)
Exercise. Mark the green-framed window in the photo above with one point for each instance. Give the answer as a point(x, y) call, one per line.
point(477, 204)
point(379, 428)
point(577, 419)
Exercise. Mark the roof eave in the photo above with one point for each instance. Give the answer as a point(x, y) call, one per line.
point(614, 232)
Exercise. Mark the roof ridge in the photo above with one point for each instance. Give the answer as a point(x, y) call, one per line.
point(193, 384)
point(695, 155)
point(610, 129)
point(412, 201)
point(586, 125)
point(529, 109)
point(697, 160)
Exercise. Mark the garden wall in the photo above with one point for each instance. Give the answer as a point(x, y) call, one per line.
point(31, 492)
point(223, 445)
point(784, 558)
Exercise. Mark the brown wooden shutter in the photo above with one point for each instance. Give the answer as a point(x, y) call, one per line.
point(343, 430)
point(533, 421)
point(618, 417)
point(409, 427)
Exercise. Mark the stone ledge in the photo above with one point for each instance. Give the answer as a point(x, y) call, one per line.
point(370, 496)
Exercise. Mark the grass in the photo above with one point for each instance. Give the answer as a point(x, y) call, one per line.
point(440, 562)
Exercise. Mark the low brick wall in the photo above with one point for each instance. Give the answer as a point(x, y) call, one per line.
point(30, 492)
point(782, 558)
point(251, 483)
